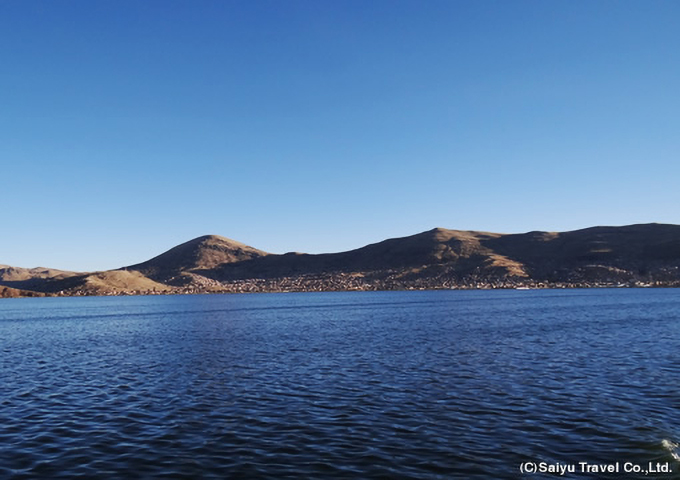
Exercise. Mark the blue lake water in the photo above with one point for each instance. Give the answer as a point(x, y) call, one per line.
point(422, 385)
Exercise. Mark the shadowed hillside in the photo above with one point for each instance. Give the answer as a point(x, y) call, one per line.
point(595, 253)
point(7, 292)
point(434, 248)
point(111, 282)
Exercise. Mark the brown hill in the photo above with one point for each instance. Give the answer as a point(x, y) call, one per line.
point(159, 274)
point(101, 283)
point(637, 250)
point(207, 252)
point(31, 278)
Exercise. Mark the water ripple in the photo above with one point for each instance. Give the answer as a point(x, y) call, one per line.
point(422, 385)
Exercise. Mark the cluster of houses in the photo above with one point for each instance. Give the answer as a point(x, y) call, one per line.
point(361, 282)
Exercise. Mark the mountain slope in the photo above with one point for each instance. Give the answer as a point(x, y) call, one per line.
point(209, 251)
point(104, 283)
point(636, 249)
point(8, 292)
point(434, 248)
point(31, 278)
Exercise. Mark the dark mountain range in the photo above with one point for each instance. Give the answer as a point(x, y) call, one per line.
point(637, 250)
point(600, 256)
point(460, 249)
point(642, 253)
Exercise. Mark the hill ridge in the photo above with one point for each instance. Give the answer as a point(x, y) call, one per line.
point(639, 254)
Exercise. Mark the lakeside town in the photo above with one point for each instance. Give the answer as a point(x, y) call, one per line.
point(356, 282)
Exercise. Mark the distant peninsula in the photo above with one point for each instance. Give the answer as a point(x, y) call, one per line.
point(645, 255)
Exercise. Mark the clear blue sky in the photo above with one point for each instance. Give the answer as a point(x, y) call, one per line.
point(127, 127)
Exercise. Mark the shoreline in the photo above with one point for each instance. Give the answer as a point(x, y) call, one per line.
point(255, 289)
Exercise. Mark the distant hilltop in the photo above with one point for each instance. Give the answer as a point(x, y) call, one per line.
point(634, 255)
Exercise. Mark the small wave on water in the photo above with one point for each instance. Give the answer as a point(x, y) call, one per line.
point(672, 448)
